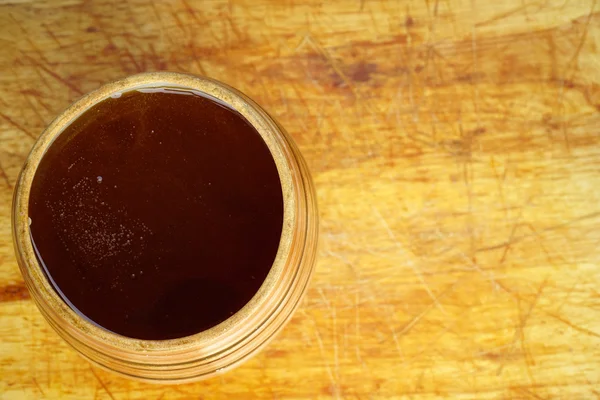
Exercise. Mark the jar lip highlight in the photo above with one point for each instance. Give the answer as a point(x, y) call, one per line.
point(224, 338)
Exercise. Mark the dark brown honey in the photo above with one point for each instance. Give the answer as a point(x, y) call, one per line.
point(157, 214)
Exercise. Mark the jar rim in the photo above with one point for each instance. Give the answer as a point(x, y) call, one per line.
point(98, 343)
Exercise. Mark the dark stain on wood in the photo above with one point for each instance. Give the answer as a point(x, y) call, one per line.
point(14, 292)
point(361, 72)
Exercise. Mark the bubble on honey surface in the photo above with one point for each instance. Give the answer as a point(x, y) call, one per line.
point(75, 162)
point(29, 221)
point(116, 95)
point(99, 179)
point(95, 231)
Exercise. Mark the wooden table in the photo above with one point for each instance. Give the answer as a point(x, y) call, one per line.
point(455, 147)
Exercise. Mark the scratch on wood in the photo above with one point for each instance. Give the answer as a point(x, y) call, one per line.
point(427, 309)
point(17, 125)
point(336, 359)
point(333, 314)
point(416, 319)
point(321, 50)
point(234, 28)
point(52, 35)
point(396, 340)
point(325, 301)
point(27, 37)
point(550, 228)
point(322, 351)
point(435, 14)
point(567, 296)
point(138, 68)
point(408, 261)
point(178, 21)
point(161, 24)
point(357, 325)
point(467, 179)
point(583, 37)
point(299, 118)
point(475, 67)
point(370, 293)
point(132, 19)
point(102, 383)
point(500, 184)
point(35, 110)
point(5, 177)
point(571, 68)
point(474, 265)
point(158, 63)
point(507, 14)
point(526, 353)
point(37, 385)
point(530, 393)
point(38, 97)
point(572, 325)
point(191, 11)
point(519, 330)
point(53, 74)
point(511, 236)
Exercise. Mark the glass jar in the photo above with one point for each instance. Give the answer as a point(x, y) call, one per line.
point(236, 339)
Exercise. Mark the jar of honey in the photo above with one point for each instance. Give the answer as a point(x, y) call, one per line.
point(166, 226)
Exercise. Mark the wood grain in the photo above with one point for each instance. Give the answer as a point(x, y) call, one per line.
point(456, 151)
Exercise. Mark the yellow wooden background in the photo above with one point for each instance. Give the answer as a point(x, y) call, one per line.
point(455, 146)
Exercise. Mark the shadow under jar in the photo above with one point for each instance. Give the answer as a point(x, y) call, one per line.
point(166, 226)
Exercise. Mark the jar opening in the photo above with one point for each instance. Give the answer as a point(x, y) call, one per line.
point(157, 213)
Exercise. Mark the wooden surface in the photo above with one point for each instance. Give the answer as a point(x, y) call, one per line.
point(456, 151)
